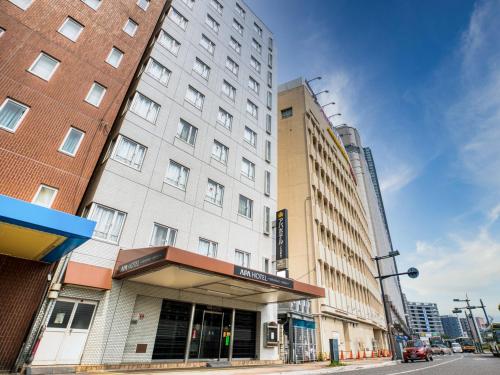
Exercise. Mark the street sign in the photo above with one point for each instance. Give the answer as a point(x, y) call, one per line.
point(413, 272)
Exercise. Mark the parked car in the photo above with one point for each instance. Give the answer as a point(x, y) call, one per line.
point(417, 350)
point(455, 346)
point(440, 349)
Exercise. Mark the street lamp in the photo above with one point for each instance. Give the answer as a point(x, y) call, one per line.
point(313, 79)
point(321, 92)
point(476, 329)
point(336, 114)
point(324, 105)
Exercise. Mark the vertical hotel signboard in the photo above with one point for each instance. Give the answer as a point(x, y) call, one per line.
point(282, 240)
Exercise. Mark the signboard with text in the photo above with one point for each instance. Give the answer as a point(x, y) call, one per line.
point(247, 273)
point(282, 240)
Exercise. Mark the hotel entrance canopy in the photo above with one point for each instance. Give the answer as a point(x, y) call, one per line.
point(38, 233)
point(179, 269)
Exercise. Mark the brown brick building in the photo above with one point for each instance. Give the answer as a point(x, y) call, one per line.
point(65, 68)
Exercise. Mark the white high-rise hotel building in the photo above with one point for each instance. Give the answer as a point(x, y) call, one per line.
point(192, 165)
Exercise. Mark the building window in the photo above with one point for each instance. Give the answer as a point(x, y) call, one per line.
point(253, 85)
point(189, 3)
point(207, 248)
point(238, 27)
point(130, 27)
point(220, 152)
point(201, 68)
point(45, 196)
point(145, 107)
point(178, 18)
point(95, 94)
point(195, 97)
point(257, 29)
point(270, 43)
point(268, 151)
point(23, 4)
point(71, 142)
point(269, 100)
point(217, 6)
point(270, 79)
point(163, 235)
point(267, 183)
point(129, 152)
point(115, 57)
point(109, 222)
point(241, 12)
point(254, 63)
point(287, 112)
point(232, 66)
point(225, 119)
point(242, 258)
point(213, 24)
point(71, 29)
point(228, 90)
point(252, 109)
point(171, 44)
point(177, 175)
point(206, 43)
point(268, 123)
point(247, 169)
point(250, 136)
point(215, 193)
point(143, 4)
point(235, 45)
point(44, 66)
point(94, 4)
point(270, 60)
point(265, 264)
point(187, 132)
point(267, 221)
point(256, 46)
point(12, 114)
point(158, 71)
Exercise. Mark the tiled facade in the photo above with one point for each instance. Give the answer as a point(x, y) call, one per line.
point(424, 317)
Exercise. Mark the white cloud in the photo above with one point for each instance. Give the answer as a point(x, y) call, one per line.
point(399, 176)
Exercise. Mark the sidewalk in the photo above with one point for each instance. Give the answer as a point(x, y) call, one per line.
point(299, 369)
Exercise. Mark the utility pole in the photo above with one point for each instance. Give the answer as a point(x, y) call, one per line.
point(484, 311)
point(479, 345)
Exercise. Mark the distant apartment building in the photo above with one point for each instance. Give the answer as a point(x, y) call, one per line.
point(451, 326)
point(424, 318)
point(329, 239)
point(180, 264)
point(65, 68)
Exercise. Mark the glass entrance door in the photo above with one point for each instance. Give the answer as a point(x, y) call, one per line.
point(211, 335)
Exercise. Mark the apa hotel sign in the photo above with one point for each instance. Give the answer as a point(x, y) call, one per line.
point(247, 273)
point(282, 240)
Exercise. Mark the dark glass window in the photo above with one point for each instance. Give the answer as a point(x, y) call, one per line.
point(172, 332)
point(245, 325)
point(83, 316)
point(61, 314)
point(287, 112)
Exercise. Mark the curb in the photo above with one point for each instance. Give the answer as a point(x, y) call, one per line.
point(330, 370)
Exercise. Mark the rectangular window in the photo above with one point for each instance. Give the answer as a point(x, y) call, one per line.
point(207, 248)
point(178, 18)
point(12, 114)
point(94, 4)
point(158, 71)
point(167, 41)
point(287, 112)
point(267, 183)
point(201, 68)
point(257, 29)
point(143, 4)
point(177, 175)
point(195, 97)
point(115, 57)
point(95, 94)
point(241, 12)
point(212, 23)
point(250, 136)
point(163, 235)
point(268, 123)
point(269, 100)
point(256, 46)
point(130, 27)
point(220, 152)
point(265, 263)
point(71, 142)
point(128, 152)
point(145, 107)
point(270, 43)
point(253, 85)
point(270, 60)
point(187, 132)
point(224, 118)
point(109, 222)
point(23, 4)
point(215, 192)
point(254, 63)
point(238, 27)
point(252, 109)
point(232, 66)
point(247, 169)
point(235, 45)
point(206, 43)
point(270, 79)
point(45, 196)
point(242, 258)
point(267, 221)
point(217, 6)
point(71, 29)
point(268, 151)
point(44, 66)
point(228, 90)
point(189, 3)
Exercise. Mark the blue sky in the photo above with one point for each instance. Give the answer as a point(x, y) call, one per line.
point(421, 81)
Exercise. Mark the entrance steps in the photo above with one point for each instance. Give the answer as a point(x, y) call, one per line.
point(49, 370)
point(219, 364)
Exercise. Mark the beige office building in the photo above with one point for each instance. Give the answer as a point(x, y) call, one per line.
point(329, 242)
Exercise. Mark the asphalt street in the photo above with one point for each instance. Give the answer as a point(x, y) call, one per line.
point(457, 364)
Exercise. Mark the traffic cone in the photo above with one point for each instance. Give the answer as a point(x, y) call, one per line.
point(358, 356)
point(350, 354)
point(364, 354)
point(373, 353)
point(341, 355)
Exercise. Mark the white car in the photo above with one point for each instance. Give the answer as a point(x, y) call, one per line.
point(455, 346)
